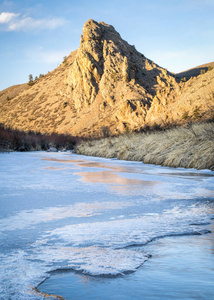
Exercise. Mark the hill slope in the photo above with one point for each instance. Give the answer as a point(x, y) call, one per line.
point(106, 85)
point(196, 71)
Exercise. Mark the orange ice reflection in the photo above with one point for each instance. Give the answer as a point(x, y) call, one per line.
point(89, 164)
point(117, 182)
point(109, 176)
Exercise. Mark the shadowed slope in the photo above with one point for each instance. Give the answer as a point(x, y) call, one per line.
point(196, 71)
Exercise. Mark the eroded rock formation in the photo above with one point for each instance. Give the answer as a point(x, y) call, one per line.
point(106, 83)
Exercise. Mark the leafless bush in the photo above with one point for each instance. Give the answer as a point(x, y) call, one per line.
point(28, 141)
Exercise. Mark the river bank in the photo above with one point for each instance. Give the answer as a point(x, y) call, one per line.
point(187, 147)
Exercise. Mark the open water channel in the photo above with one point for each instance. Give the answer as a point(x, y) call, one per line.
point(95, 228)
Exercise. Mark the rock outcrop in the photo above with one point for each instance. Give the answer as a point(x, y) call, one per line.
point(108, 71)
point(106, 86)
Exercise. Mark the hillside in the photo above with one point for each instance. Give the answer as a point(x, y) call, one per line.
point(106, 87)
point(193, 72)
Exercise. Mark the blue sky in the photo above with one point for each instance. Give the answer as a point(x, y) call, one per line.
point(35, 35)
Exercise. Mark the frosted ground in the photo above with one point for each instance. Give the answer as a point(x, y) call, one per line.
point(93, 216)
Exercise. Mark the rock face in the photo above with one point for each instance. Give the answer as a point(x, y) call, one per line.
point(108, 68)
point(108, 71)
point(105, 86)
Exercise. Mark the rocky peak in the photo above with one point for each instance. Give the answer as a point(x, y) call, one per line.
point(106, 85)
point(92, 31)
point(108, 66)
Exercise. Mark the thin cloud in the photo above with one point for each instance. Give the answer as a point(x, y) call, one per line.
point(7, 17)
point(15, 22)
point(28, 23)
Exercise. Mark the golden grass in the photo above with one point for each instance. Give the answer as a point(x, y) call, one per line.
point(188, 147)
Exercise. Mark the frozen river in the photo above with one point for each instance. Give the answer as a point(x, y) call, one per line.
point(104, 229)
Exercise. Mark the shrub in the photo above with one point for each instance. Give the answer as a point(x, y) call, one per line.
point(106, 132)
point(30, 82)
point(196, 113)
point(26, 141)
point(65, 60)
point(185, 116)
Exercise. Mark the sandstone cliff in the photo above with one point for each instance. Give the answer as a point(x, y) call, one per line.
point(106, 86)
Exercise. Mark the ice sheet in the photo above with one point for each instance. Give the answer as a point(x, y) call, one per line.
point(90, 215)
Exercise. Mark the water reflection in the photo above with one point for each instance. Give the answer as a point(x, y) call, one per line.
point(143, 169)
point(88, 164)
point(53, 168)
point(62, 160)
point(161, 179)
point(189, 175)
point(110, 177)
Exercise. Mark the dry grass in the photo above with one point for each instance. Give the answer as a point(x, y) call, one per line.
point(188, 147)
